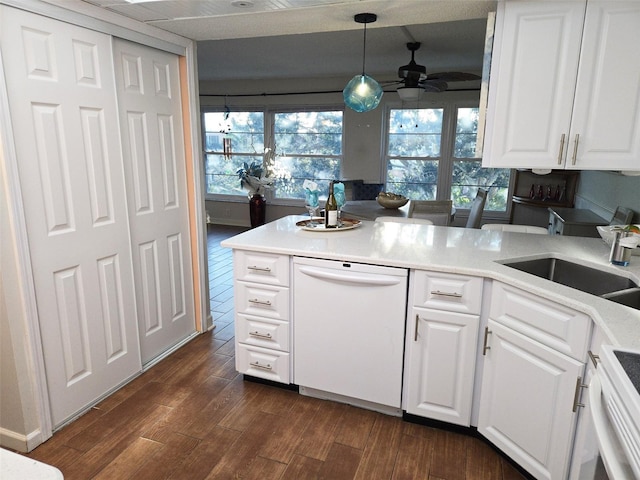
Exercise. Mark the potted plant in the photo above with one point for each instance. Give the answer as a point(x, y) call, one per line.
point(253, 179)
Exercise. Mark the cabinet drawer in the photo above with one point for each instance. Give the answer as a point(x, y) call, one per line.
point(447, 291)
point(262, 300)
point(261, 268)
point(262, 332)
point(545, 321)
point(264, 363)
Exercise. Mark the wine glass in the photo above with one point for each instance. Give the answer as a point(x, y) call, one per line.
point(312, 204)
point(338, 193)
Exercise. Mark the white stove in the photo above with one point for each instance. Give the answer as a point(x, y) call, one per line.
point(615, 407)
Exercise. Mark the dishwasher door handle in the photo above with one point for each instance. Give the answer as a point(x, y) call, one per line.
point(350, 277)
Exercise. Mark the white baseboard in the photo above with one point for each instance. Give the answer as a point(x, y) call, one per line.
point(19, 442)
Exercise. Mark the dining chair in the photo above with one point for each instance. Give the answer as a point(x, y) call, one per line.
point(506, 227)
point(437, 211)
point(422, 221)
point(477, 207)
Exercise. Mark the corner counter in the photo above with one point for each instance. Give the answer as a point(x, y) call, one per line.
point(459, 250)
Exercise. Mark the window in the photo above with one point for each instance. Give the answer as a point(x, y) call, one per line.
point(308, 145)
point(431, 155)
point(231, 138)
point(467, 172)
point(303, 145)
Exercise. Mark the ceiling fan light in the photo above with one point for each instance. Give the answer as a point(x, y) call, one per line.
point(409, 94)
point(362, 93)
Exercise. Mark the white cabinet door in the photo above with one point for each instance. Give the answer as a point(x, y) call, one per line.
point(565, 86)
point(605, 128)
point(526, 405)
point(148, 85)
point(64, 117)
point(439, 374)
point(531, 88)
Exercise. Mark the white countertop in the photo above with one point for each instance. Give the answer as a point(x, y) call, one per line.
point(459, 250)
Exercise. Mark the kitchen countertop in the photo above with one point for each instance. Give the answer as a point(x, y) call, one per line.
point(459, 250)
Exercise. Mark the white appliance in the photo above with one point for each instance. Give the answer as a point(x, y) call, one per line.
point(614, 395)
point(349, 322)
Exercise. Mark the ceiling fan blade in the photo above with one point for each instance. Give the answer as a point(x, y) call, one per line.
point(452, 76)
point(435, 86)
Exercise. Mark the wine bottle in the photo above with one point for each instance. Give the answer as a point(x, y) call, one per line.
point(331, 210)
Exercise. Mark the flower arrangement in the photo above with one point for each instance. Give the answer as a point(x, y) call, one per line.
point(253, 178)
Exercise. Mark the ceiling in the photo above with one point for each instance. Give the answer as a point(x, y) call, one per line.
point(272, 39)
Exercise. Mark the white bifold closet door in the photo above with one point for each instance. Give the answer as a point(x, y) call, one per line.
point(148, 85)
point(108, 244)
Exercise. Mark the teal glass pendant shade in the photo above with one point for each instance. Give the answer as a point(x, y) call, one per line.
point(362, 93)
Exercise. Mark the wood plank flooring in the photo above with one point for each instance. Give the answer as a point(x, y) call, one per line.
point(193, 417)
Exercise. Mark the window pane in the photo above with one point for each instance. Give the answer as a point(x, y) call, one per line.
point(415, 133)
point(468, 176)
point(243, 133)
point(298, 169)
point(308, 146)
point(466, 133)
point(415, 179)
point(220, 173)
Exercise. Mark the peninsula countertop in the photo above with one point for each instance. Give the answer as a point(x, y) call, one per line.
point(459, 250)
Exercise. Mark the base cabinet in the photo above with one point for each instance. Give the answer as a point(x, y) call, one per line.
point(441, 365)
point(440, 347)
point(526, 405)
point(262, 315)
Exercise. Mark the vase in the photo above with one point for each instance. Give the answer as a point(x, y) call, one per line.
point(257, 210)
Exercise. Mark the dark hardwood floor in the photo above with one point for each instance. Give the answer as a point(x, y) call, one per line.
point(193, 417)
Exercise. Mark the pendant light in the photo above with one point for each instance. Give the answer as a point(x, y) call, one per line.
point(363, 93)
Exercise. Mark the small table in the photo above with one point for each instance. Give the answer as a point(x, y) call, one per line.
point(371, 209)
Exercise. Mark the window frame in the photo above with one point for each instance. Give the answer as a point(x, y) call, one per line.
point(269, 121)
point(447, 148)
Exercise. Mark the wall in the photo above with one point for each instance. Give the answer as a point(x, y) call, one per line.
point(602, 192)
point(363, 132)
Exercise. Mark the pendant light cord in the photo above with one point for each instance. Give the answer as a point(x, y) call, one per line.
point(364, 48)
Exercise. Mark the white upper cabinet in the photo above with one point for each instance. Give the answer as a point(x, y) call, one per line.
point(565, 86)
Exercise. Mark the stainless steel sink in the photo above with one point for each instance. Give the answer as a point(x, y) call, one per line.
point(580, 277)
point(629, 297)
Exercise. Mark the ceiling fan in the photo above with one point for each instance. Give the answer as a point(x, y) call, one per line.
point(416, 80)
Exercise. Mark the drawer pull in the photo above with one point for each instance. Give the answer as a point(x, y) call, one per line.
point(486, 347)
point(263, 367)
point(415, 333)
point(260, 335)
point(561, 149)
point(576, 395)
point(446, 294)
point(255, 301)
point(259, 269)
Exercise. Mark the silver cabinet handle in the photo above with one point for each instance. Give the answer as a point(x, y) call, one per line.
point(594, 358)
point(415, 333)
point(575, 149)
point(446, 294)
point(561, 149)
point(576, 395)
point(260, 335)
point(263, 367)
point(259, 269)
point(260, 302)
point(486, 347)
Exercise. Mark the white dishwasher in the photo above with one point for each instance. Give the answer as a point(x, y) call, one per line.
point(349, 322)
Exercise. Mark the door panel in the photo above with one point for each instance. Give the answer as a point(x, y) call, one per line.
point(149, 99)
point(64, 116)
